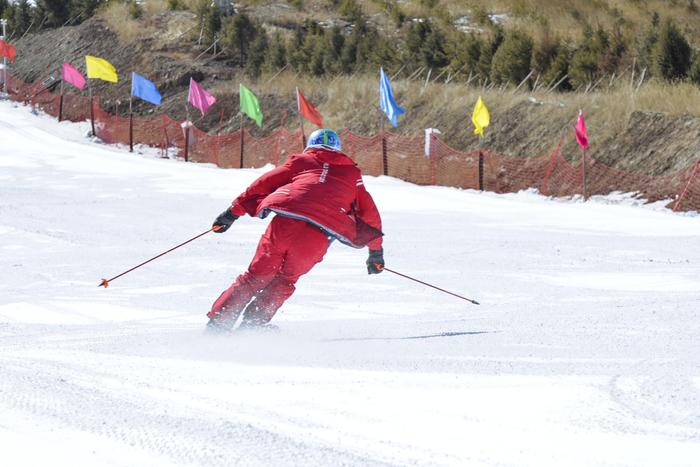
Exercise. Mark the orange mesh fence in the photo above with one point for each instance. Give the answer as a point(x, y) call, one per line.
point(399, 156)
point(689, 198)
point(366, 151)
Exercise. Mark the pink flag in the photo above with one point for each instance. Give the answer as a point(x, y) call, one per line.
point(580, 130)
point(72, 76)
point(200, 98)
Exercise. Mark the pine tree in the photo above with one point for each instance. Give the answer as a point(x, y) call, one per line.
point(350, 10)
point(296, 54)
point(348, 56)
point(21, 18)
point(57, 11)
point(238, 34)
point(334, 47)
point(694, 72)
point(464, 51)
point(646, 40)
point(257, 53)
point(483, 67)
point(511, 62)
point(671, 54)
point(276, 56)
point(425, 45)
point(558, 69)
point(585, 67)
point(615, 52)
point(82, 10)
point(544, 51)
point(212, 25)
point(316, 63)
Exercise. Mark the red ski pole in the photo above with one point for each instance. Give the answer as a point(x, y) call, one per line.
point(105, 282)
point(429, 285)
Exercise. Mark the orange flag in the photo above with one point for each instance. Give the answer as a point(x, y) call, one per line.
point(308, 111)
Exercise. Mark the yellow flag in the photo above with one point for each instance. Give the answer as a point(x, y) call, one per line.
point(101, 69)
point(480, 117)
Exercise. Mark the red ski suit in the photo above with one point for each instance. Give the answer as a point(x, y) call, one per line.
point(318, 196)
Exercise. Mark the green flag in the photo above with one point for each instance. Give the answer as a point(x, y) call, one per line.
point(250, 105)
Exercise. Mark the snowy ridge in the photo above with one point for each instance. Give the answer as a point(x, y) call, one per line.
point(585, 349)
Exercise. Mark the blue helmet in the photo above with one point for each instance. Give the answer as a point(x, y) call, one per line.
point(324, 138)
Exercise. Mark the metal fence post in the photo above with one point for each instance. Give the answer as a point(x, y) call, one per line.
point(481, 171)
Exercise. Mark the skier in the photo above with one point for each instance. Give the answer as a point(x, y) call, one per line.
point(318, 196)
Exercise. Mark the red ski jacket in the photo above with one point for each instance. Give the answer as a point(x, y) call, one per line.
point(321, 187)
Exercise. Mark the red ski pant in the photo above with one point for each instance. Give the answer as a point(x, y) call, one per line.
point(288, 249)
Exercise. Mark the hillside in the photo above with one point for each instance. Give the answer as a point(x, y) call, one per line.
point(634, 121)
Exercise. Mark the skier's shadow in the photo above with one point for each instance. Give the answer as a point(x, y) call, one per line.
point(427, 336)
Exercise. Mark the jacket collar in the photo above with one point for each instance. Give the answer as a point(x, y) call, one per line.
point(332, 157)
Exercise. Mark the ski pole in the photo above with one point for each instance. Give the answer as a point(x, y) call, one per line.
point(429, 285)
point(105, 282)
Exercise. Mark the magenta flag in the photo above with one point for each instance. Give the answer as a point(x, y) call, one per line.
point(200, 98)
point(580, 130)
point(72, 76)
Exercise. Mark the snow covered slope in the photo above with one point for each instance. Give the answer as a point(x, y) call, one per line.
point(585, 350)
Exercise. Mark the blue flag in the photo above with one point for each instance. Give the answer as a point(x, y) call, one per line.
point(144, 89)
point(386, 99)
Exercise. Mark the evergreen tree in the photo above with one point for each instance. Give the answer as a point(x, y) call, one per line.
point(135, 10)
point(646, 40)
point(350, 10)
point(316, 62)
point(40, 16)
point(425, 45)
point(256, 57)
point(57, 11)
point(82, 10)
point(276, 56)
point(212, 25)
point(21, 18)
point(483, 67)
point(694, 72)
point(238, 33)
point(174, 5)
point(367, 40)
point(334, 47)
point(511, 62)
point(296, 53)
point(671, 54)
point(348, 56)
point(558, 69)
point(615, 52)
point(543, 53)
point(585, 67)
point(464, 51)
point(384, 52)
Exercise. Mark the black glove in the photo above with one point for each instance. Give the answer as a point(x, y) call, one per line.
point(224, 221)
point(375, 262)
